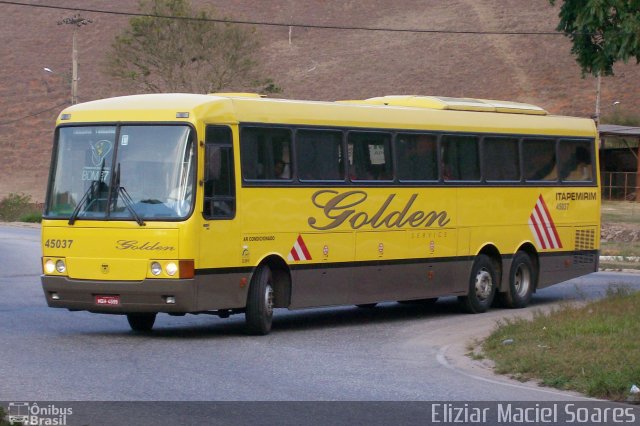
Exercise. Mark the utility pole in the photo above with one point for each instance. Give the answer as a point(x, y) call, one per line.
point(597, 116)
point(77, 21)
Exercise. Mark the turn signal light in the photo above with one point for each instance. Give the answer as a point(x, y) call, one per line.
point(186, 268)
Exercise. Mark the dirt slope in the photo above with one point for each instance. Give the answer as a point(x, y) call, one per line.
point(318, 64)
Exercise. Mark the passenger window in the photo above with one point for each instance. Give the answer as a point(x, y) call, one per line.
point(460, 158)
point(319, 154)
point(500, 157)
point(369, 156)
point(219, 177)
point(266, 153)
point(417, 157)
point(540, 160)
point(575, 161)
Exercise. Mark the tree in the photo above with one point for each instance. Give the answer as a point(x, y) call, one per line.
point(185, 53)
point(602, 32)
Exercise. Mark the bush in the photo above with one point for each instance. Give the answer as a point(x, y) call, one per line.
point(13, 206)
point(3, 414)
point(16, 207)
point(33, 217)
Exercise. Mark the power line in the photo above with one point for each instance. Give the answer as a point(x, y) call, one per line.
point(4, 123)
point(287, 25)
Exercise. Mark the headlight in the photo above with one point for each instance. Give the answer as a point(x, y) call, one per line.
point(60, 266)
point(171, 269)
point(156, 268)
point(49, 266)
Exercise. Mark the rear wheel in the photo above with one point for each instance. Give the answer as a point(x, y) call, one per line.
point(141, 322)
point(259, 312)
point(482, 286)
point(522, 279)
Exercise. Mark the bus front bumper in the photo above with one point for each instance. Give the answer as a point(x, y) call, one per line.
point(119, 297)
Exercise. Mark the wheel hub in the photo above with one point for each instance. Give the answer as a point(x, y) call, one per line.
point(268, 300)
point(484, 284)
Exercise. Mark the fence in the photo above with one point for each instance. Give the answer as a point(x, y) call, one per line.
point(619, 185)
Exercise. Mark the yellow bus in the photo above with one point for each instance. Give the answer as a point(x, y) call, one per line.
point(235, 203)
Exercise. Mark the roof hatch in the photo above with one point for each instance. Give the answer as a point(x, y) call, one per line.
point(458, 104)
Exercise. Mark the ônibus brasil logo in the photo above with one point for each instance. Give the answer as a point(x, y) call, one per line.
point(25, 413)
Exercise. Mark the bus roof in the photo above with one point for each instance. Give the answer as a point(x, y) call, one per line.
point(392, 112)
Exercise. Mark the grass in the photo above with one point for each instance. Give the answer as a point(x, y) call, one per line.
point(593, 349)
point(615, 212)
point(625, 215)
point(620, 248)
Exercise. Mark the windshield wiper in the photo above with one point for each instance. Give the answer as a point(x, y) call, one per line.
point(128, 203)
point(91, 190)
point(83, 200)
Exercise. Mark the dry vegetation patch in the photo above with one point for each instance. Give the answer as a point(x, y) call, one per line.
point(593, 349)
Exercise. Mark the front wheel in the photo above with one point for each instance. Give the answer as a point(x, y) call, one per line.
point(482, 286)
point(522, 279)
point(259, 312)
point(141, 322)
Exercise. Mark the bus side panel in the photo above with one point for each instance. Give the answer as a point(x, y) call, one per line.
point(423, 280)
point(220, 289)
point(322, 285)
point(583, 259)
point(556, 268)
point(383, 282)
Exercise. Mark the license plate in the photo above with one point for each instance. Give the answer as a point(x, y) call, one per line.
point(108, 300)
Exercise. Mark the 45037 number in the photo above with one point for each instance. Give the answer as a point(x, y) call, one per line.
point(59, 244)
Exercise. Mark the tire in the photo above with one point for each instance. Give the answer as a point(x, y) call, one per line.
point(141, 322)
point(259, 312)
point(482, 286)
point(522, 281)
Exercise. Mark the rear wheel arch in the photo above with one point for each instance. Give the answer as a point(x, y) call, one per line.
point(522, 280)
point(492, 252)
point(530, 250)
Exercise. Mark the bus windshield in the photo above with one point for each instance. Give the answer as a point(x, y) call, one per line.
point(128, 172)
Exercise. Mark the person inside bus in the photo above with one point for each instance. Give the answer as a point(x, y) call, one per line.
point(542, 165)
point(417, 157)
point(281, 170)
point(580, 167)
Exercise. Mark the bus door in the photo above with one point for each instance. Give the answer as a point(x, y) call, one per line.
point(220, 226)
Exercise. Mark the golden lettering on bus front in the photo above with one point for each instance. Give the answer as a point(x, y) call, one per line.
point(135, 245)
point(347, 208)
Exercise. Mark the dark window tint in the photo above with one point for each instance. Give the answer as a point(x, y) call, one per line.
point(265, 153)
point(319, 154)
point(575, 160)
point(417, 157)
point(540, 159)
point(460, 158)
point(369, 156)
point(500, 159)
point(219, 179)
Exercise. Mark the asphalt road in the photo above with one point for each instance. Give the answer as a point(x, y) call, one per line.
point(391, 353)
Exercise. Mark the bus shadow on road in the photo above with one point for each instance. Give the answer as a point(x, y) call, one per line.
point(205, 326)
point(313, 319)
